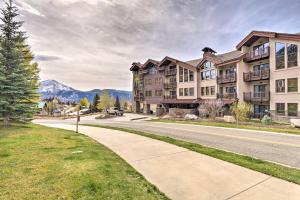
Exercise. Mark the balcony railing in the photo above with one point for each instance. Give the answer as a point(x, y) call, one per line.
point(257, 55)
point(229, 96)
point(170, 97)
point(170, 72)
point(228, 78)
point(257, 75)
point(257, 96)
point(170, 85)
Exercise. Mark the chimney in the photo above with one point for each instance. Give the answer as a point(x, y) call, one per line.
point(208, 52)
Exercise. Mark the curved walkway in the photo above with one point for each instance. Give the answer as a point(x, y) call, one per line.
point(182, 174)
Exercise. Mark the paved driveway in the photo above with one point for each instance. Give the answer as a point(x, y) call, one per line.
point(279, 148)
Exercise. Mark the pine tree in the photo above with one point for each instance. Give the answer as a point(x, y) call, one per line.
point(96, 101)
point(18, 75)
point(117, 103)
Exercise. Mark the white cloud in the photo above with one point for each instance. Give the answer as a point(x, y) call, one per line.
point(28, 8)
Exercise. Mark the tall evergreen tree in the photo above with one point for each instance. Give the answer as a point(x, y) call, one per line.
point(96, 101)
point(117, 103)
point(18, 74)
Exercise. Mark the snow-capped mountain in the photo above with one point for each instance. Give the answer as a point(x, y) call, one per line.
point(52, 88)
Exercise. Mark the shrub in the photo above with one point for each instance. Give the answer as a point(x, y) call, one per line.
point(241, 111)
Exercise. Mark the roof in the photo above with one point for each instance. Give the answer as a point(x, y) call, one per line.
point(232, 55)
point(194, 62)
point(185, 64)
point(254, 35)
point(155, 62)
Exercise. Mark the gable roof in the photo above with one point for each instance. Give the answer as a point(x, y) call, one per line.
point(154, 62)
point(135, 66)
point(194, 62)
point(184, 64)
point(254, 35)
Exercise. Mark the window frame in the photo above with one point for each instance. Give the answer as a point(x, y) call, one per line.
point(277, 89)
point(292, 113)
point(276, 55)
point(288, 85)
point(288, 56)
point(282, 111)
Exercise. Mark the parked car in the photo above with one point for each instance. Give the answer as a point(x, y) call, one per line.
point(115, 111)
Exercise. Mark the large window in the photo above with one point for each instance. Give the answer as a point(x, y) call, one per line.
point(152, 70)
point(292, 54)
point(292, 109)
point(191, 75)
point(181, 92)
point(186, 91)
point(180, 74)
point(292, 84)
point(280, 86)
point(280, 109)
point(260, 49)
point(230, 90)
point(186, 75)
point(191, 90)
point(280, 52)
point(208, 71)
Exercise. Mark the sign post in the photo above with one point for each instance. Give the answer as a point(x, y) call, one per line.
point(78, 120)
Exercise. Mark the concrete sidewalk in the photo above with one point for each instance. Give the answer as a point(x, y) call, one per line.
point(182, 174)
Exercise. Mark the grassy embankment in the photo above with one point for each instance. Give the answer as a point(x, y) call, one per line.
point(45, 163)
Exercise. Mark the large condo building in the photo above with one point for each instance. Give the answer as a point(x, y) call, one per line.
point(263, 70)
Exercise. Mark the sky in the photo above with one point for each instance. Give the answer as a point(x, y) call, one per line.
point(89, 44)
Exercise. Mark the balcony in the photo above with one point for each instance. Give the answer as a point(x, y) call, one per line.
point(257, 96)
point(228, 78)
point(171, 72)
point(257, 55)
point(138, 98)
point(171, 85)
point(170, 97)
point(257, 75)
point(227, 96)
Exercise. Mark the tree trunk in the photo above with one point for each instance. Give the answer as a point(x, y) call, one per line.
point(6, 122)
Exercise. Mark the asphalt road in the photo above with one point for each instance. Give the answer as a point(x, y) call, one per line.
point(275, 147)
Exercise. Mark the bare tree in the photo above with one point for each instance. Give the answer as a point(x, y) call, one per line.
point(211, 107)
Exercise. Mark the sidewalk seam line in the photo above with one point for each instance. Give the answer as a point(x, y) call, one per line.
point(249, 188)
point(165, 155)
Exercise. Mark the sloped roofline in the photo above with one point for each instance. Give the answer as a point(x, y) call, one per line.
point(187, 65)
point(267, 34)
point(155, 62)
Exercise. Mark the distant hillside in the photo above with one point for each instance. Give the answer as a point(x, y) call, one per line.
point(52, 88)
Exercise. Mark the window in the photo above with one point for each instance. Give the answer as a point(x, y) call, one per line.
point(213, 74)
point(292, 109)
point(230, 90)
point(292, 53)
point(206, 91)
point(292, 84)
point(191, 91)
point(181, 92)
point(202, 76)
point(280, 109)
point(202, 91)
point(191, 75)
point(260, 49)
point(148, 93)
point(186, 75)
point(213, 90)
point(208, 71)
point(186, 91)
point(152, 70)
point(280, 86)
point(280, 52)
point(158, 93)
point(148, 81)
point(180, 74)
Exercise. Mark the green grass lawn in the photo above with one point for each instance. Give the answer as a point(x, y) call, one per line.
point(272, 169)
point(277, 128)
point(44, 163)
